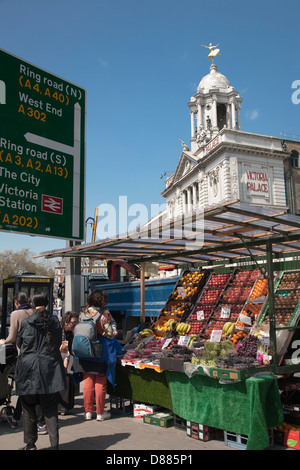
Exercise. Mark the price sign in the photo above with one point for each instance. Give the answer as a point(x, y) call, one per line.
point(216, 336)
point(225, 312)
point(166, 343)
point(200, 315)
point(183, 340)
point(42, 151)
point(245, 319)
point(181, 291)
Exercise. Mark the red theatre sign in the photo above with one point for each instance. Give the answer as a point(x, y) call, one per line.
point(257, 181)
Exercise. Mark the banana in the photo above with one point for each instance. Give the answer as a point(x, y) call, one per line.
point(191, 340)
point(146, 332)
point(228, 328)
point(170, 324)
point(183, 328)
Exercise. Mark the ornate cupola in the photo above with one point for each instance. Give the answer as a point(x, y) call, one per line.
point(215, 105)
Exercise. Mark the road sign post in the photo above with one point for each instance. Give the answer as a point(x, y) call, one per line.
point(42, 151)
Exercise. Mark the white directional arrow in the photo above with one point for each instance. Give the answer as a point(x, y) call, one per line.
point(2, 92)
point(75, 151)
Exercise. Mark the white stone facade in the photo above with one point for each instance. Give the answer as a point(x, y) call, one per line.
point(224, 163)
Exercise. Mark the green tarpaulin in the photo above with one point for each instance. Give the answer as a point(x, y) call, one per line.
point(142, 385)
point(248, 407)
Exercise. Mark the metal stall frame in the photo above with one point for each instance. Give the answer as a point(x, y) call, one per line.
point(221, 235)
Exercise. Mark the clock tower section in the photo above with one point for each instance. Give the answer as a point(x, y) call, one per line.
point(215, 106)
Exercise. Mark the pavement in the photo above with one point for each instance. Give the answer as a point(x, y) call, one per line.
point(118, 434)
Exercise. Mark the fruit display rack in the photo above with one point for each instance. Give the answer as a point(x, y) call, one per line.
point(287, 309)
point(175, 308)
point(181, 300)
point(287, 300)
point(224, 314)
point(254, 305)
point(188, 286)
point(230, 301)
point(207, 301)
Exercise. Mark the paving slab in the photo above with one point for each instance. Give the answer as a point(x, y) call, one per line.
point(120, 433)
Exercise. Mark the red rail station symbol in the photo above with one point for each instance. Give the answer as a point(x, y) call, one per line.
point(52, 204)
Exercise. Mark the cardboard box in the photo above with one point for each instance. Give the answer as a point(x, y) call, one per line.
point(140, 409)
point(164, 420)
point(287, 438)
point(170, 363)
point(242, 374)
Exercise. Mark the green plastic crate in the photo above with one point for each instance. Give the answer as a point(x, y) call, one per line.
point(164, 420)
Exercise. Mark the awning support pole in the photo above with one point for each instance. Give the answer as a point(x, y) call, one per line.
point(142, 293)
point(273, 347)
point(253, 258)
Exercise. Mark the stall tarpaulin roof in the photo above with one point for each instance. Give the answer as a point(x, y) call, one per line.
point(229, 231)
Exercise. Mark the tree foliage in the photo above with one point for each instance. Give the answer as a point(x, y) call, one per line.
point(19, 262)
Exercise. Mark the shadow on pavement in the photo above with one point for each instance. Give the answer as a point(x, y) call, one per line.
point(94, 442)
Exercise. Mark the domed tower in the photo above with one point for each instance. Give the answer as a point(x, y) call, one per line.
point(223, 162)
point(215, 105)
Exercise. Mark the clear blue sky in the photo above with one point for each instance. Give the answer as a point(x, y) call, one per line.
point(140, 61)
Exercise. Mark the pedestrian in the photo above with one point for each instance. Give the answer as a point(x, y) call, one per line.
point(67, 396)
point(23, 309)
point(40, 373)
point(97, 371)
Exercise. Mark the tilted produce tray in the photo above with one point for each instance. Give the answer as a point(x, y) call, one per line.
point(163, 420)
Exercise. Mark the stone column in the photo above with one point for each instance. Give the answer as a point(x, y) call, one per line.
point(189, 199)
point(238, 109)
point(199, 183)
point(199, 119)
point(194, 196)
point(192, 124)
point(228, 116)
point(233, 121)
point(214, 112)
point(184, 201)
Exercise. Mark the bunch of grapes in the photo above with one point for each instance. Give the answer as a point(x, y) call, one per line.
point(233, 361)
point(248, 348)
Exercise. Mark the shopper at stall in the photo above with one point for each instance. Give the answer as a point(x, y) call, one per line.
point(23, 309)
point(40, 374)
point(97, 371)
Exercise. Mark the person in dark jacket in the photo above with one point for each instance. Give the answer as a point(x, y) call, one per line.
point(40, 373)
point(67, 396)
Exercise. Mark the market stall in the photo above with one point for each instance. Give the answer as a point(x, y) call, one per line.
point(225, 322)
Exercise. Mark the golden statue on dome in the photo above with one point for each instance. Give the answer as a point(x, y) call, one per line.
point(212, 51)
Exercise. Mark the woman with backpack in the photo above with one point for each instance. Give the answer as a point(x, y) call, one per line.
point(40, 373)
point(97, 370)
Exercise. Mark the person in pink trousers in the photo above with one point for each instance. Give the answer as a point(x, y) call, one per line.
point(97, 371)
